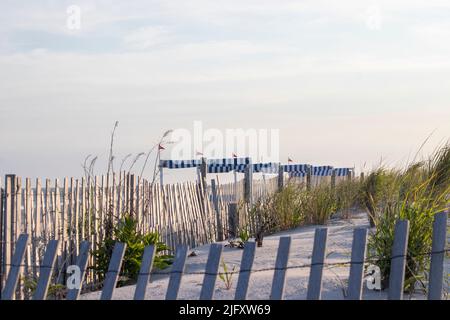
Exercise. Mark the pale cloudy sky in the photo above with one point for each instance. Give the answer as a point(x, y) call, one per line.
point(345, 82)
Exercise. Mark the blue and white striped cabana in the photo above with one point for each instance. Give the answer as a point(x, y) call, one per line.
point(322, 171)
point(342, 172)
point(269, 167)
point(213, 165)
point(301, 170)
point(240, 164)
point(297, 168)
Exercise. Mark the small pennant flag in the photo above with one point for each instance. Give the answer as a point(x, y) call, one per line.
point(198, 153)
point(234, 155)
point(160, 147)
point(290, 160)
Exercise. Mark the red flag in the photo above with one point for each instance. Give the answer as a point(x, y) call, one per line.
point(290, 160)
point(160, 147)
point(234, 155)
point(198, 153)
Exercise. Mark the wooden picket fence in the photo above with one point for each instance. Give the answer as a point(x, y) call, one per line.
point(318, 261)
point(263, 188)
point(76, 210)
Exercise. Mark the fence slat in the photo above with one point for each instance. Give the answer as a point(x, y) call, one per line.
point(82, 261)
point(398, 260)
point(212, 267)
point(113, 271)
point(13, 276)
point(46, 270)
point(8, 221)
point(177, 272)
point(248, 256)
point(437, 256)
point(279, 276)
point(144, 272)
point(317, 261)
point(355, 281)
point(215, 200)
point(2, 243)
point(233, 220)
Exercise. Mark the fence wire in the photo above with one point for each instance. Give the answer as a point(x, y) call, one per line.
point(370, 260)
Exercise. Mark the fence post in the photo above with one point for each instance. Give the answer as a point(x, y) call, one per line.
point(361, 177)
point(131, 197)
point(177, 272)
point(82, 261)
point(398, 260)
point(279, 276)
point(8, 221)
point(115, 264)
point(437, 256)
point(1, 236)
point(13, 276)
point(308, 177)
point(280, 177)
point(333, 179)
point(215, 199)
point(212, 267)
point(203, 171)
point(355, 279)
point(144, 272)
point(248, 256)
point(317, 261)
point(349, 175)
point(233, 220)
point(248, 184)
point(46, 270)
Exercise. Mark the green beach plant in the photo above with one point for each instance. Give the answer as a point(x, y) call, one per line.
point(126, 231)
point(420, 191)
point(226, 276)
point(318, 204)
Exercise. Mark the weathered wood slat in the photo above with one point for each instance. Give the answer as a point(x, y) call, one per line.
point(398, 260)
point(28, 225)
point(215, 200)
point(144, 272)
point(355, 282)
point(233, 220)
point(37, 225)
point(212, 267)
point(76, 218)
point(8, 221)
point(317, 261)
point(82, 261)
point(14, 272)
point(177, 272)
point(115, 264)
point(248, 256)
point(46, 270)
point(437, 257)
point(279, 276)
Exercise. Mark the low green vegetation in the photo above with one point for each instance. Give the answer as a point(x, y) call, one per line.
point(126, 231)
point(295, 205)
point(226, 276)
point(416, 193)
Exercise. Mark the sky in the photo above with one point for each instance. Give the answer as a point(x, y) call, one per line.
point(346, 83)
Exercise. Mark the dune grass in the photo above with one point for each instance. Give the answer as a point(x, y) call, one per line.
point(416, 193)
